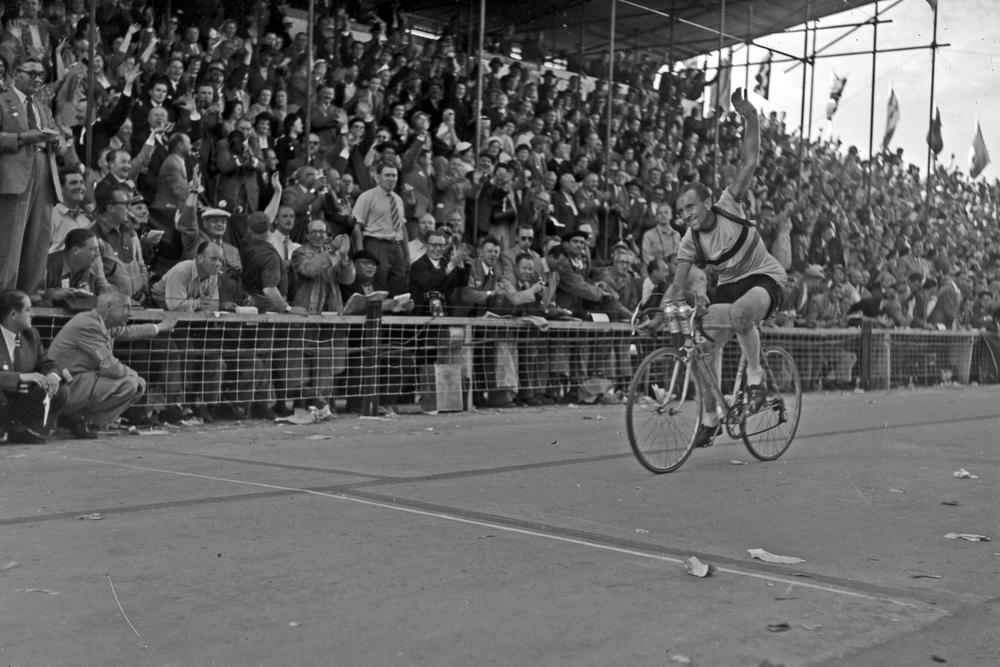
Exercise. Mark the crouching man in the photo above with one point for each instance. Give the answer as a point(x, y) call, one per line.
point(102, 387)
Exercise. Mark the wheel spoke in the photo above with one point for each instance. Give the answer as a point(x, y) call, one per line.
point(663, 411)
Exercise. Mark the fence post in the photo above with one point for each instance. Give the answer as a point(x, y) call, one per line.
point(866, 354)
point(370, 358)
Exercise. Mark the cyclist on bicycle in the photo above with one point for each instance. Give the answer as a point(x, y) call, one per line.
point(750, 279)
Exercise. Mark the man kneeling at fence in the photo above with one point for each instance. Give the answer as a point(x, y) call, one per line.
point(102, 387)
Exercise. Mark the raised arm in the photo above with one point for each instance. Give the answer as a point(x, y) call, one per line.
point(750, 151)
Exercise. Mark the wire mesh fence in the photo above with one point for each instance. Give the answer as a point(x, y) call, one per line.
point(450, 363)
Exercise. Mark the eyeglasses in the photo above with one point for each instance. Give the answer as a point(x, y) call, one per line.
point(33, 73)
point(527, 238)
point(314, 143)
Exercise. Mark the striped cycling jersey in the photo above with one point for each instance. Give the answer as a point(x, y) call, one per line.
point(750, 258)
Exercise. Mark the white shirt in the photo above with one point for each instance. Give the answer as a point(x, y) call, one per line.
point(9, 337)
point(281, 242)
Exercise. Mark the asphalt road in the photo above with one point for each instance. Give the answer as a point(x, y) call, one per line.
point(514, 537)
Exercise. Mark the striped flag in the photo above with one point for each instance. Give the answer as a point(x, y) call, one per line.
point(934, 139)
point(979, 157)
point(891, 119)
point(763, 78)
point(836, 90)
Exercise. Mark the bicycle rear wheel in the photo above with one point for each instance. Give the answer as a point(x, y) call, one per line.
point(768, 433)
point(663, 411)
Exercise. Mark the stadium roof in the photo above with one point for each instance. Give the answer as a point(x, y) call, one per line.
point(695, 28)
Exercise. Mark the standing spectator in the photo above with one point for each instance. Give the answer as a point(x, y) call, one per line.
point(264, 276)
point(102, 386)
point(944, 312)
point(661, 241)
point(379, 213)
point(28, 140)
point(69, 214)
point(321, 266)
point(172, 182)
point(564, 204)
point(27, 374)
point(121, 253)
point(523, 241)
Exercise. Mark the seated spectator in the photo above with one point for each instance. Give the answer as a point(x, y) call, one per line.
point(480, 293)
point(27, 375)
point(74, 277)
point(418, 245)
point(214, 226)
point(193, 284)
point(654, 285)
point(366, 266)
point(795, 297)
point(436, 275)
point(102, 387)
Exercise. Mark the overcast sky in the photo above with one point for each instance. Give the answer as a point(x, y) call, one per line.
point(967, 85)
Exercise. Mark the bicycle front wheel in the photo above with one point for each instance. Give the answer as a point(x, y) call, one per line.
point(768, 433)
point(663, 411)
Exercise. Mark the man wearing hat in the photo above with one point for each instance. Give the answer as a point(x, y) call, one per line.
point(213, 228)
point(121, 253)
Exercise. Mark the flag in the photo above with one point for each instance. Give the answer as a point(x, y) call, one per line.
point(836, 90)
point(763, 78)
point(934, 139)
point(979, 157)
point(891, 119)
point(722, 87)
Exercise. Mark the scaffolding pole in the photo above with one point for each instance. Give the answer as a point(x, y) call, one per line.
point(479, 112)
point(611, 99)
point(931, 157)
point(871, 113)
point(802, 107)
point(718, 96)
point(309, 73)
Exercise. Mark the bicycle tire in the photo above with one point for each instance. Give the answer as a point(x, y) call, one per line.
point(663, 411)
point(769, 432)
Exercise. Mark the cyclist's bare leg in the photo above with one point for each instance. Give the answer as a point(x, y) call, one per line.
point(716, 323)
point(746, 313)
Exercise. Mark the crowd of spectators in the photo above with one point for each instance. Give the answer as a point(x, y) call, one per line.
point(223, 173)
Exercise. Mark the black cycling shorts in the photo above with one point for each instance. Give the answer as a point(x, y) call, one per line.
point(730, 292)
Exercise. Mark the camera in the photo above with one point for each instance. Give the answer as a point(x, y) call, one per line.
point(435, 303)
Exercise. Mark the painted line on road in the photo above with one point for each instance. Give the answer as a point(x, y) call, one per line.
point(493, 525)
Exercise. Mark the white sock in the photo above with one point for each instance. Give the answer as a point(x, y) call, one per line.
point(755, 377)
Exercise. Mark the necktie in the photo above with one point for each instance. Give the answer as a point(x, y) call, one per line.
point(397, 221)
point(17, 352)
point(29, 106)
point(286, 248)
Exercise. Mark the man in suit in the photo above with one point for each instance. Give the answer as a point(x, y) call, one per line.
point(28, 139)
point(432, 273)
point(102, 386)
point(172, 183)
point(27, 375)
point(482, 290)
point(564, 208)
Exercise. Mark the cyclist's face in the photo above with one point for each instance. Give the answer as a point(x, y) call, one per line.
point(693, 211)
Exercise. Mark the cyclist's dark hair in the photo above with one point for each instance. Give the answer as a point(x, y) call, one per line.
point(700, 189)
